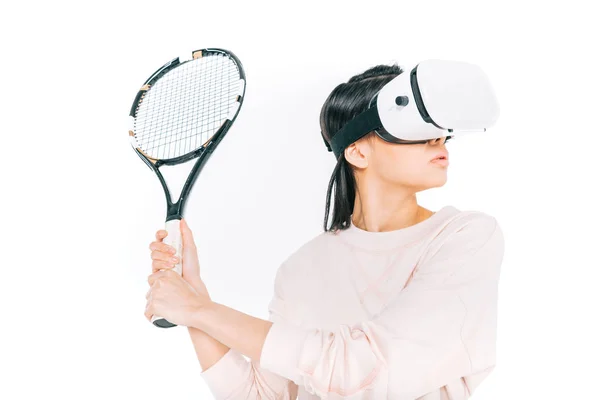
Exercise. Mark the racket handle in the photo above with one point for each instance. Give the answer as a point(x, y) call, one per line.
point(173, 239)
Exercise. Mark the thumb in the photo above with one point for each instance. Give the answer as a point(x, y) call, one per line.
point(190, 266)
point(187, 238)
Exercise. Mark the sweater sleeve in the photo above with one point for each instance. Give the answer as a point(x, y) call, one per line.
point(234, 377)
point(438, 331)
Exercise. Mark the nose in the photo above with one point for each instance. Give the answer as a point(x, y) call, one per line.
point(438, 140)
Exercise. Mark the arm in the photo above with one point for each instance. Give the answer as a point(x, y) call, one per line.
point(437, 330)
point(229, 375)
point(208, 350)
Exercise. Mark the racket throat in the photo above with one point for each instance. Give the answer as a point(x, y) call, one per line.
point(174, 211)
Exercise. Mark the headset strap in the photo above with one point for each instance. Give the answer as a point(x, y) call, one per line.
point(358, 127)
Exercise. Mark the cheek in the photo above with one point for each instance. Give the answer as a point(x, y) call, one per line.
point(400, 167)
point(409, 169)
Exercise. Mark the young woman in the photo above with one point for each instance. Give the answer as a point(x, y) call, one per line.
point(391, 301)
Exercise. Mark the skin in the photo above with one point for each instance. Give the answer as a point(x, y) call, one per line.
point(388, 177)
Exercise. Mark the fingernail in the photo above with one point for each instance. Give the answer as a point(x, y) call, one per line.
point(174, 259)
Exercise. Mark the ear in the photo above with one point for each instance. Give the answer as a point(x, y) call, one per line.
point(357, 154)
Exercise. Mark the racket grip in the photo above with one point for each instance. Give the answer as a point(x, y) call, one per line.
point(173, 238)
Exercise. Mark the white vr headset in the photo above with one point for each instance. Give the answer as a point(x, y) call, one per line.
point(436, 97)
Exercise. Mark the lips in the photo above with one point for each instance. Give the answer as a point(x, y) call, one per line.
point(440, 156)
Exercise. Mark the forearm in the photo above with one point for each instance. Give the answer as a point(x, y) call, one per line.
point(231, 329)
point(234, 378)
point(208, 349)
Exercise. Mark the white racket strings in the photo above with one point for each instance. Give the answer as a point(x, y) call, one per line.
point(185, 107)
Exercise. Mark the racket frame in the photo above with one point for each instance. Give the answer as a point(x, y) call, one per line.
point(175, 210)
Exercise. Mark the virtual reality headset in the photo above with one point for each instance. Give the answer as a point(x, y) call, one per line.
point(437, 98)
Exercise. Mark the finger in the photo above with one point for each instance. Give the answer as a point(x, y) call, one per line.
point(160, 246)
point(156, 276)
point(152, 277)
point(159, 255)
point(161, 234)
point(158, 265)
point(147, 312)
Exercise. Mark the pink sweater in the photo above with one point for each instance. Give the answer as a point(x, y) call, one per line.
point(404, 315)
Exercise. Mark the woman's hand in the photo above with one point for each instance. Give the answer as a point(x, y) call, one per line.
point(162, 257)
point(174, 299)
point(169, 293)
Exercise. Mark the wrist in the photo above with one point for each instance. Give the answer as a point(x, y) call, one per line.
point(198, 285)
point(201, 316)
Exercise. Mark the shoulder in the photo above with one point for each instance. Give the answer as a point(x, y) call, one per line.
point(474, 224)
point(466, 231)
point(308, 259)
point(306, 253)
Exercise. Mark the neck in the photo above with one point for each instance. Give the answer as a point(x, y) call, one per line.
point(383, 210)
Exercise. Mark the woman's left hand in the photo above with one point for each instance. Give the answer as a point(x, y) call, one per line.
point(173, 298)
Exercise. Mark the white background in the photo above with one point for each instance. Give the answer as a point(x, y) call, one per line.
point(81, 208)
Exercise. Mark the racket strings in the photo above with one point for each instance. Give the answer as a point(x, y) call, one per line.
point(186, 106)
point(182, 123)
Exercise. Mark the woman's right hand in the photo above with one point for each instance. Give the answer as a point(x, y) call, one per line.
point(162, 257)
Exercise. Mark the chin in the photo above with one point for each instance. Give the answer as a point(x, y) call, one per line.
point(439, 181)
point(442, 182)
point(431, 184)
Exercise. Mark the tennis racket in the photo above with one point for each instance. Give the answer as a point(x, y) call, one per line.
point(180, 113)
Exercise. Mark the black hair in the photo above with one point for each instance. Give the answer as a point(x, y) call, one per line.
point(345, 102)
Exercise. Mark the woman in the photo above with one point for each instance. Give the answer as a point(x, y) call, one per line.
point(392, 301)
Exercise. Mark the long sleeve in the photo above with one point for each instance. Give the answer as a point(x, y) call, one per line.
point(439, 329)
point(234, 377)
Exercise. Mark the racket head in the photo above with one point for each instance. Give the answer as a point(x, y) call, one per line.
point(186, 106)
